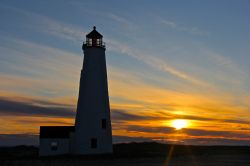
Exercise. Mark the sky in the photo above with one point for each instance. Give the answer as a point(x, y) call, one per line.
point(166, 61)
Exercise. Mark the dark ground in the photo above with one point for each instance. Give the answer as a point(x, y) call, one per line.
point(145, 154)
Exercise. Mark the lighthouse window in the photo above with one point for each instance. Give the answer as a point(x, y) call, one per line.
point(54, 145)
point(104, 123)
point(99, 42)
point(89, 42)
point(93, 143)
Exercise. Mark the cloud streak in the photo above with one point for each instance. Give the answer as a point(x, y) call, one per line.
point(70, 32)
point(154, 62)
point(182, 28)
point(30, 139)
point(42, 23)
point(131, 123)
point(139, 106)
point(15, 108)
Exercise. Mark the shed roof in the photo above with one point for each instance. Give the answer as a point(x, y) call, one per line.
point(56, 131)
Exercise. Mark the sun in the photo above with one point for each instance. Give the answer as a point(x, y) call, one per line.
point(178, 124)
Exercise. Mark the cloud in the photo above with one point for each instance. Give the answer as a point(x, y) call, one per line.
point(126, 115)
point(15, 108)
point(121, 119)
point(51, 121)
point(153, 61)
point(39, 71)
point(107, 16)
point(30, 139)
point(183, 116)
point(42, 23)
point(152, 129)
point(127, 139)
point(74, 33)
point(38, 55)
point(123, 115)
point(57, 28)
point(121, 20)
point(237, 121)
point(29, 107)
point(182, 28)
point(169, 23)
point(18, 139)
point(212, 134)
point(189, 133)
point(38, 60)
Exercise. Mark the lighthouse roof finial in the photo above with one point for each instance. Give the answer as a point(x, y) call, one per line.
point(94, 34)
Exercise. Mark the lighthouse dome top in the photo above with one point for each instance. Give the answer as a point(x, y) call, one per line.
point(93, 39)
point(94, 34)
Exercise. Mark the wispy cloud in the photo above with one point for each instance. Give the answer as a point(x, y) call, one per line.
point(190, 132)
point(67, 31)
point(33, 109)
point(179, 27)
point(137, 122)
point(154, 62)
point(169, 23)
point(114, 18)
point(226, 67)
point(58, 29)
point(138, 105)
point(218, 134)
point(32, 139)
point(35, 61)
point(122, 115)
point(121, 20)
point(47, 25)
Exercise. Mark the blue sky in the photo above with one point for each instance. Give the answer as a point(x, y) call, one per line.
point(181, 58)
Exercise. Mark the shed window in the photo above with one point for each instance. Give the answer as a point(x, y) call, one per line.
point(54, 145)
point(104, 123)
point(93, 143)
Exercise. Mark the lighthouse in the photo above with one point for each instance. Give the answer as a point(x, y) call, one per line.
point(93, 132)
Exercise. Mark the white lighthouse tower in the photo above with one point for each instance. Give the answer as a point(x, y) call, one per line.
point(93, 132)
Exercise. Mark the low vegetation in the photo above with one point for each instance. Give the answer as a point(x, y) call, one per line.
point(148, 153)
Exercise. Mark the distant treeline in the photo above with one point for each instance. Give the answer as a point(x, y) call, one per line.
point(157, 149)
point(134, 150)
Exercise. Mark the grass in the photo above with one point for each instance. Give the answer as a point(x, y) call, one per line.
point(147, 153)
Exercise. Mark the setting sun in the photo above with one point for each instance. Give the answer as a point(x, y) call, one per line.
point(179, 124)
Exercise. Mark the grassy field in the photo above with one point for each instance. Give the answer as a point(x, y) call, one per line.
point(137, 154)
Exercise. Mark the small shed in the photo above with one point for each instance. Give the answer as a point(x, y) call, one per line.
point(56, 140)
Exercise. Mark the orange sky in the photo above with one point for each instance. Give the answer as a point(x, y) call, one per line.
point(164, 62)
point(138, 110)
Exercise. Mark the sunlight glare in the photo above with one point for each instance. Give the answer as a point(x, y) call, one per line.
point(179, 124)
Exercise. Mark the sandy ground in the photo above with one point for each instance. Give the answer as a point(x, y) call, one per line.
point(212, 160)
